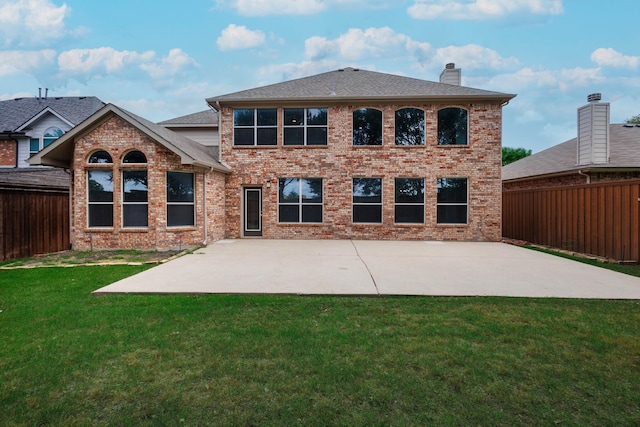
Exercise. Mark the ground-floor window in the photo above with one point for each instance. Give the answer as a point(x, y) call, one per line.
point(409, 200)
point(300, 200)
point(100, 198)
point(452, 200)
point(367, 200)
point(135, 205)
point(180, 199)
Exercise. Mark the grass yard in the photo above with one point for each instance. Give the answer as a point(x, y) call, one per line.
point(69, 358)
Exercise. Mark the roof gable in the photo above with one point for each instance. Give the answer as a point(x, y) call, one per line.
point(354, 84)
point(34, 119)
point(207, 118)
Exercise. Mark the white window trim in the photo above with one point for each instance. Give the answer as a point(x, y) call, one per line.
point(305, 126)
point(381, 204)
point(453, 204)
point(167, 203)
point(299, 203)
point(438, 128)
point(90, 203)
point(423, 203)
point(123, 202)
point(255, 128)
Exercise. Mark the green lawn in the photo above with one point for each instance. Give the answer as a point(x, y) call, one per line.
point(68, 358)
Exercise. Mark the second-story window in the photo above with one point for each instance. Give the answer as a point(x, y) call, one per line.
point(367, 127)
point(255, 126)
point(410, 127)
point(453, 126)
point(305, 126)
point(50, 135)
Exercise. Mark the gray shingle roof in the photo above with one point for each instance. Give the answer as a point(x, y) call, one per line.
point(204, 118)
point(624, 153)
point(353, 83)
point(34, 178)
point(16, 112)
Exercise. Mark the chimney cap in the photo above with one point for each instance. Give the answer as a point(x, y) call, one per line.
point(450, 66)
point(594, 97)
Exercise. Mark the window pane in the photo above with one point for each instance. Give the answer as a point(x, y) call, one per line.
point(180, 215)
point(452, 214)
point(101, 215)
point(409, 190)
point(312, 213)
point(311, 189)
point(293, 136)
point(289, 190)
point(452, 190)
point(367, 127)
point(243, 117)
point(367, 190)
point(317, 116)
point(294, 116)
point(179, 187)
point(267, 136)
point(367, 214)
point(317, 136)
point(289, 213)
point(100, 157)
point(409, 214)
point(243, 136)
point(452, 126)
point(135, 215)
point(135, 157)
point(135, 186)
point(47, 141)
point(100, 186)
point(34, 145)
point(53, 132)
point(267, 117)
point(410, 127)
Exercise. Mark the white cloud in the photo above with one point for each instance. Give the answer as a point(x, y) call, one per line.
point(239, 37)
point(481, 9)
point(289, 71)
point(102, 60)
point(28, 62)
point(170, 65)
point(26, 22)
point(473, 56)
point(527, 78)
point(608, 57)
point(275, 7)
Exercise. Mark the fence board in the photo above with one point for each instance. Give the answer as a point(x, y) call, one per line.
point(600, 219)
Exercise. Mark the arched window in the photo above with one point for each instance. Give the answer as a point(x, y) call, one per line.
point(100, 157)
point(134, 157)
point(453, 126)
point(367, 127)
point(135, 191)
point(50, 135)
point(410, 126)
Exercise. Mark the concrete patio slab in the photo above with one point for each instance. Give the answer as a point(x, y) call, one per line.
point(343, 267)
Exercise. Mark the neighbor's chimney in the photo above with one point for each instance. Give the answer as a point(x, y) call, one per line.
point(451, 75)
point(593, 131)
point(39, 93)
point(46, 93)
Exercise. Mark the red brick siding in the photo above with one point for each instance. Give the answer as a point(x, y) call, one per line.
point(8, 153)
point(117, 137)
point(340, 161)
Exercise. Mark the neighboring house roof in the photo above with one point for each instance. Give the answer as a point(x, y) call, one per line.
point(349, 84)
point(34, 178)
point(624, 154)
point(60, 152)
point(16, 113)
point(201, 119)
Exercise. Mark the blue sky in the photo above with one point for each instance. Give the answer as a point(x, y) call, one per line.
point(162, 59)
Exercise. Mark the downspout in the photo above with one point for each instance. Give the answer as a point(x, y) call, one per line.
point(585, 175)
point(204, 205)
point(70, 173)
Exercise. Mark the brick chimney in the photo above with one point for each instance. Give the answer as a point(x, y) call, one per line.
point(593, 131)
point(451, 75)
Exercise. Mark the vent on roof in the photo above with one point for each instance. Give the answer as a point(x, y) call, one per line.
point(451, 75)
point(340, 69)
point(356, 69)
point(594, 97)
point(450, 66)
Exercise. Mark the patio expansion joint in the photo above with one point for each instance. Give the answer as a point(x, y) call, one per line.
point(373, 279)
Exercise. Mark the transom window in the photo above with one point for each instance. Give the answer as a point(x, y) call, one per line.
point(100, 198)
point(180, 199)
point(367, 200)
point(410, 127)
point(367, 127)
point(134, 157)
point(50, 135)
point(101, 157)
point(452, 200)
point(409, 200)
point(305, 126)
point(453, 126)
point(255, 126)
point(300, 200)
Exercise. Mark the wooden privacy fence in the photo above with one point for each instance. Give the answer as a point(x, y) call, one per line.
point(598, 219)
point(33, 222)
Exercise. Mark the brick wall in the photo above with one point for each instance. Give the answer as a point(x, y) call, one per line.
point(339, 162)
point(117, 137)
point(8, 153)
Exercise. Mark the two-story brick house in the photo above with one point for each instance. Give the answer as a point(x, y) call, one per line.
point(344, 154)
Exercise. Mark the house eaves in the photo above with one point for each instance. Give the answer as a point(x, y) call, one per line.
point(35, 118)
point(60, 152)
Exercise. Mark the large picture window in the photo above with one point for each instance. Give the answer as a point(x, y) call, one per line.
point(410, 127)
point(367, 200)
point(367, 127)
point(300, 200)
point(305, 126)
point(135, 206)
point(452, 200)
point(409, 200)
point(453, 126)
point(255, 126)
point(180, 199)
point(100, 198)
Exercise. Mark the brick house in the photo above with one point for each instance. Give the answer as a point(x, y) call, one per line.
point(348, 154)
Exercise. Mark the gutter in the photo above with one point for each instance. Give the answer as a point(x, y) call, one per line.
point(585, 175)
